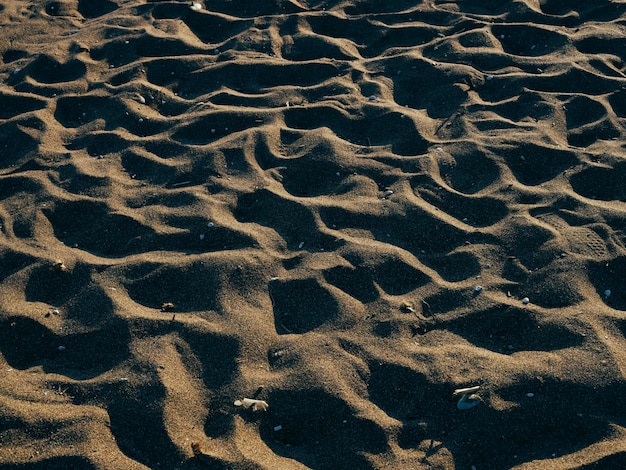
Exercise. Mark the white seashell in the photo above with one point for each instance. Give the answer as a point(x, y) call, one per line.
point(256, 405)
point(195, 6)
point(468, 398)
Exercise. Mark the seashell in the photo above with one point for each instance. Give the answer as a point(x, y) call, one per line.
point(256, 405)
point(195, 6)
point(468, 398)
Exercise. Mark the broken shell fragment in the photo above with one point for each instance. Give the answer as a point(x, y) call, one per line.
point(256, 405)
point(468, 398)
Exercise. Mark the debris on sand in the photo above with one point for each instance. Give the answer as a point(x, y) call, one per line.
point(469, 399)
point(256, 405)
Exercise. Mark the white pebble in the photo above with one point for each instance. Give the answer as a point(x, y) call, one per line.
point(195, 6)
point(301, 245)
point(372, 98)
point(388, 193)
point(210, 224)
point(478, 288)
point(525, 300)
point(489, 77)
point(56, 311)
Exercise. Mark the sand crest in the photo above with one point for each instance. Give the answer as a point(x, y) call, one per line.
point(281, 234)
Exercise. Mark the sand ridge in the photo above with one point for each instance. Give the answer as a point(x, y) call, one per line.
point(335, 207)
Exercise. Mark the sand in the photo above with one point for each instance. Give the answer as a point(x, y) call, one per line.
point(335, 208)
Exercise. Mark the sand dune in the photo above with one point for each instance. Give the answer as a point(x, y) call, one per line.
point(346, 209)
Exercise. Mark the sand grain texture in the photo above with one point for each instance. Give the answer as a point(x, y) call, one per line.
point(294, 201)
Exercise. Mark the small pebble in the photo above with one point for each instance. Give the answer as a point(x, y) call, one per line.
point(530, 395)
point(278, 428)
point(55, 312)
point(372, 98)
point(61, 348)
point(607, 293)
point(388, 193)
point(478, 289)
point(525, 300)
point(202, 236)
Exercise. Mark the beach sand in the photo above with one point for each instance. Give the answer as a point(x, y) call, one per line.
point(344, 209)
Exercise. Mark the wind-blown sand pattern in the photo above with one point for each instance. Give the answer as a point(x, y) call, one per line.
point(295, 202)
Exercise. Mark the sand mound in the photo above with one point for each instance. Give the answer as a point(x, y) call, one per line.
point(346, 210)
